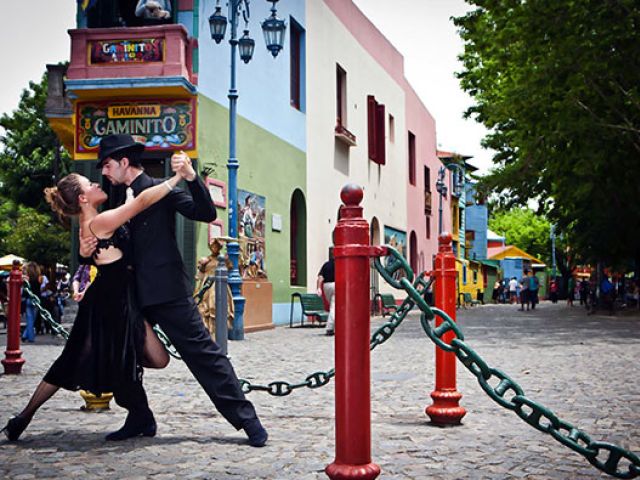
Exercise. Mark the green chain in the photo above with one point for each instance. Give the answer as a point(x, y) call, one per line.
point(381, 335)
point(533, 413)
point(55, 326)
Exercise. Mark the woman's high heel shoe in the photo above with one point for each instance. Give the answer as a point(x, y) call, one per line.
point(15, 427)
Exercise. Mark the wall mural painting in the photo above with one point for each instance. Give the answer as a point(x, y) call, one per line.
point(396, 239)
point(251, 228)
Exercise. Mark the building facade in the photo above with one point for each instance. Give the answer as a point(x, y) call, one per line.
point(332, 108)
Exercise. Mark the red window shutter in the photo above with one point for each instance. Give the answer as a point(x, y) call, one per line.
point(371, 127)
point(380, 135)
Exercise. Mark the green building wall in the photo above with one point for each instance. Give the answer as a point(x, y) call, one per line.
point(269, 167)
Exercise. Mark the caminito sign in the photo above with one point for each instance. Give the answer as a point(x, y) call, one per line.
point(159, 124)
point(127, 51)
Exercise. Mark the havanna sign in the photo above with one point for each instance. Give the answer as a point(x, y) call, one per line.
point(162, 125)
point(126, 51)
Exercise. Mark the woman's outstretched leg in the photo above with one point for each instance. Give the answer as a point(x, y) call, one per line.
point(154, 353)
point(14, 428)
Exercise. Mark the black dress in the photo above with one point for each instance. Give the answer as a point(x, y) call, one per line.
point(105, 345)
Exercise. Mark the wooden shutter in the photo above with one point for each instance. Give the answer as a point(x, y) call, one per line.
point(380, 135)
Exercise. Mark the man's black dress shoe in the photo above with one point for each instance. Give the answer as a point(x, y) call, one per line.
point(256, 433)
point(15, 427)
point(131, 429)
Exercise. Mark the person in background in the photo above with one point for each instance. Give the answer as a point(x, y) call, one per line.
point(571, 290)
point(32, 275)
point(513, 290)
point(553, 291)
point(496, 291)
point(607, 293)
point(583, 290)
point(326, 284)
point(532, 291)
point(82, 280)
point(524, 291)
point(62, 291)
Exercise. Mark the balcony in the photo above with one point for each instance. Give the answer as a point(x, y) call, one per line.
point(344, 135)
point(134, 58)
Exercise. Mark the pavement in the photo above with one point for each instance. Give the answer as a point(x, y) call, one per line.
point(584, 368)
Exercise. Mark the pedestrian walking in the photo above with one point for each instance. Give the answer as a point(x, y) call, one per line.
point(325, 283)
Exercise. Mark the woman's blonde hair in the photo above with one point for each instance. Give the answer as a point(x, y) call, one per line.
point(63, 198)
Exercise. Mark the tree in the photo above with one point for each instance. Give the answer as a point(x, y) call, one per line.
point(36, 237)
point(28, 157)
point(524, 229)
point(558, 86)
point(29, 150)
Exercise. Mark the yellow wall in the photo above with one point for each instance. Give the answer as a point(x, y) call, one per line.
point(474, 278)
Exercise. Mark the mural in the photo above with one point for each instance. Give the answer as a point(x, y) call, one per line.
point(398, 240)
point(251, 229)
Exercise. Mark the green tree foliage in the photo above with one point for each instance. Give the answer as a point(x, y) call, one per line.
point(36, 238)
point(28, 151)
point(558, 86)
point(524, 229)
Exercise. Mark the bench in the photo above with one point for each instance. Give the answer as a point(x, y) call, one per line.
point(468, 300)
point(387, 302)
point(312, 308)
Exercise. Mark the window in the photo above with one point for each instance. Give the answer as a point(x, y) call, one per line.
point(297, 65)
point(464, 274)
point(341, 97)
point(392, 129)
point(375, 128)
point(412, 158)
point(428, 225)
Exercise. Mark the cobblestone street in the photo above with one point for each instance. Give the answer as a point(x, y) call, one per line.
point(584, 368)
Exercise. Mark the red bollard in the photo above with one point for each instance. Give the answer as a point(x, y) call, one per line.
point(353, 395)
point(13, 355)
point(445, 410)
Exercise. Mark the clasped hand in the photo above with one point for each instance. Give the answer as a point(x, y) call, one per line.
point(181, 164)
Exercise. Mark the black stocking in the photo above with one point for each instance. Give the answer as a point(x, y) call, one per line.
point(44, 391)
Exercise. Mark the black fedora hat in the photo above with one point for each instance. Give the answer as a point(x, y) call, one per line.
point(117, 143)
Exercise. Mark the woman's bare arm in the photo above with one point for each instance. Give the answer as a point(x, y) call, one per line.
point(105, 223)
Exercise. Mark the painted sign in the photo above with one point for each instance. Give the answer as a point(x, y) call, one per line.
point(126, 51)
point(251, 228)
point(158, 124)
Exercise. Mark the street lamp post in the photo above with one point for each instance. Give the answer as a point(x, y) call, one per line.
point(441, 188)
point(274, 30)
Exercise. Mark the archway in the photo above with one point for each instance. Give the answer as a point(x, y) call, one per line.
point(298, 239)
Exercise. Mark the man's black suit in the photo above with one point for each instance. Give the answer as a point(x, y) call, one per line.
point(164, 295)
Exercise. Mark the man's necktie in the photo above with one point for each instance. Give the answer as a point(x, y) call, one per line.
point(129, 195)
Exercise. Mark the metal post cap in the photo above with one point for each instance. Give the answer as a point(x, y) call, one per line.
point(444, 238)
point(351, 195)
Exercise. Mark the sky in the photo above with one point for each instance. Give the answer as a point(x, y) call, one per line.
point(35, 32)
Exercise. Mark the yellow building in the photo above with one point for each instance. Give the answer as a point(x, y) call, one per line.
point(470, 280)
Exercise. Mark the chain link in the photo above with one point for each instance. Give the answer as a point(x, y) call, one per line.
point(46, 315)
point(533, 413)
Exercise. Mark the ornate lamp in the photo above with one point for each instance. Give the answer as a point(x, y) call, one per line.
point(246, 44)
point(274, 29)
point(218, 25)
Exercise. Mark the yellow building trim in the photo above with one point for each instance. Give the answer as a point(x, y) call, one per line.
point(513, 251)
